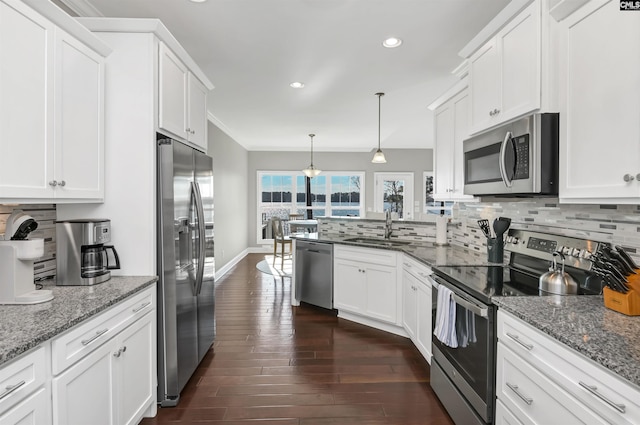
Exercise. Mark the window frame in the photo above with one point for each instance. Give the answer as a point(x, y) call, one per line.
point(293, 205)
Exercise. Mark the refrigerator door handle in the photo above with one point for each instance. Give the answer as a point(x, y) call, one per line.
point(201, 236)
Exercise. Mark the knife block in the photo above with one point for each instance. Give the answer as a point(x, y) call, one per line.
point(628, 303)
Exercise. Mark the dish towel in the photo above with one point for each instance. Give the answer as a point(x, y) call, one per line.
point(445, 328)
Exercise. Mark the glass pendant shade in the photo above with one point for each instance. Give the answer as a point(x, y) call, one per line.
point(311, 171)
point(378, 157)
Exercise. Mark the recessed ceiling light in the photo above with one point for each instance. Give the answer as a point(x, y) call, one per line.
point(198, 1)
point(392, 42)
point(297, 85)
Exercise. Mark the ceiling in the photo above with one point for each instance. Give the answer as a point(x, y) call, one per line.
point(252, 49)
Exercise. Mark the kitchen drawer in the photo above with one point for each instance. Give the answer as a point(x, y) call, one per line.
point(21, 377)
point(504, 415)
point(532, 397)
point(35, 410)
point(381, 257)
point(610, 396)
point(81, 340)
point(418, 270)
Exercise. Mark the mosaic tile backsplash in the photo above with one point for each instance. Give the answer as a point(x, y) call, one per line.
point(617, 224)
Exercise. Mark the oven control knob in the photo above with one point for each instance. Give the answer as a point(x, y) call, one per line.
point(585, 254)
point(508, 239)
point(575, 252)
point(566, 250)
point(514, 240)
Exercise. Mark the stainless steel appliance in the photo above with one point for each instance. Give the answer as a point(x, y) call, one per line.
point(81, 252)
point(186, 324)
point(314, 273)
point(518, 159)
point(464, 377)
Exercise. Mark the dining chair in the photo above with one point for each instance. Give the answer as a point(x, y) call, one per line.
point(280, 239)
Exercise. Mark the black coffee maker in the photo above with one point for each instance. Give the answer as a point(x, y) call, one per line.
point(81, 252)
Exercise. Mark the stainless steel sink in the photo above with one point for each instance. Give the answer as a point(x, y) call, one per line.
point(381, 242)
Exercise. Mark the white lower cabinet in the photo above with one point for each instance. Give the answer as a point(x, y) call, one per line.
point(417, 305)
point(542, 381)
point(35, 410)
point(111, 385)
point(366, 283)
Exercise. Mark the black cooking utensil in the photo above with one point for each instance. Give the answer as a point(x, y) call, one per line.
point(618, 260)
point(500, 226)
point(484, 226)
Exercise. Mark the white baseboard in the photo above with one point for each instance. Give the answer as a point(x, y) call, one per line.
point(387, 327)
point(235, 260)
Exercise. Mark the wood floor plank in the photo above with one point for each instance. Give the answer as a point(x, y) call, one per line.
point(274, 364)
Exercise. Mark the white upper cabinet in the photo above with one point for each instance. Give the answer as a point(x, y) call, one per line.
point(505, 73)
point(600, 123)
point(51, 107)
point(182, 101)
point(451, 121)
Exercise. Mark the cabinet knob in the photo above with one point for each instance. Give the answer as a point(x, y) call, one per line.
point(53, 183)
point(62, 183)
point(117, 353)
point(638, 176)
point(628, 177)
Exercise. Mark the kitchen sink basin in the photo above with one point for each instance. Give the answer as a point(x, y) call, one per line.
point(380, 242)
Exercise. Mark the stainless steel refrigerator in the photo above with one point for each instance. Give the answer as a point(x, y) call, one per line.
point(186, 324)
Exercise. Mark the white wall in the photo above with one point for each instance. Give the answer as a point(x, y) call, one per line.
point(230, 196)
point(398, 160)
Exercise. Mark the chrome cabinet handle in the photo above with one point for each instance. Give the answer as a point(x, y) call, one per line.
point(628, 177)
point(11, 388)
point(516, 338)
point(53, 183)
point(120, 351)
point(514, 388)
point(594, 390)
point(137, 309)
point(96, 336)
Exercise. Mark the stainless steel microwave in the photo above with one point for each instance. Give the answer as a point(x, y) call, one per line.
point(518, 159)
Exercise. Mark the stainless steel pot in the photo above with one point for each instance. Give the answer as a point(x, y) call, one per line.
point(556, 280)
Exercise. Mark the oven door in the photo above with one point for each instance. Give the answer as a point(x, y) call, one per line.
point(470, 367)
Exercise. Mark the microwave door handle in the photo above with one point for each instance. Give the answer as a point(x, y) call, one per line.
point(503, 165)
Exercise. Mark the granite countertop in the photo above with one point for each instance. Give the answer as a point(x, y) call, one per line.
point(25, 326)
point(426, 252)
point(583, 323)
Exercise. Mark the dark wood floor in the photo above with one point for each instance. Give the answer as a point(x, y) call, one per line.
point(273, 364)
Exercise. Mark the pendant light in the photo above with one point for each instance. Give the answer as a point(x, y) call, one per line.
point(378, 157)
point(311, 171)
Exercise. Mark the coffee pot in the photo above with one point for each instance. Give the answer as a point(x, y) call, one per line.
point(82, 255)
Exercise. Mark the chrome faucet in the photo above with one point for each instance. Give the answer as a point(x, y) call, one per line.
point(387, 224)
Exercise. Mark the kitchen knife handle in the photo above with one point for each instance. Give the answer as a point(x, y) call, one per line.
point(594, 390)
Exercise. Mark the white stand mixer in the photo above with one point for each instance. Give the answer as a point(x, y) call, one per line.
point(16, 262)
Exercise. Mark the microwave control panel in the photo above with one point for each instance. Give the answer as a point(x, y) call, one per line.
point(521, 147)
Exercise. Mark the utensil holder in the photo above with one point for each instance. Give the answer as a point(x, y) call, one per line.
point(495, 250)
point(628, 304)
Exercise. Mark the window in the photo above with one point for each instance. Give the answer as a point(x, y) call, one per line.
point(431, 206)
point(281, 193)
point(394, 191)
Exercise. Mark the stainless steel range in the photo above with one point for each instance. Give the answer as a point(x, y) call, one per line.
point(463, 366)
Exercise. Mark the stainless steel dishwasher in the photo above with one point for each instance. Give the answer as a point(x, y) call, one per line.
point(314, 273)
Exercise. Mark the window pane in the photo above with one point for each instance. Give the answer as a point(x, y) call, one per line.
point(345, 191)
point(301, 197)
point(319, 191)
point(394, 196)
point(345, 212)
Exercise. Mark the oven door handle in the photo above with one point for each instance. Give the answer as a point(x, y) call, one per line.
point(503, 164)
point(477, 310)
point(472, 307)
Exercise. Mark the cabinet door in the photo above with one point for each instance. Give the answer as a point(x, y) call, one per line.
point(519, 49)
point(79, 120)
point(26, 98)
point(84, 393)
point(172, 93)
point(136, 371)
point(409, 304)
point(197, 113)
point(443, 164)
point(381, 293)
point(425, 317)
point(35, 410)
point(504, 416)
point(601, 144)
point(349, 286)
point(485, 86)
